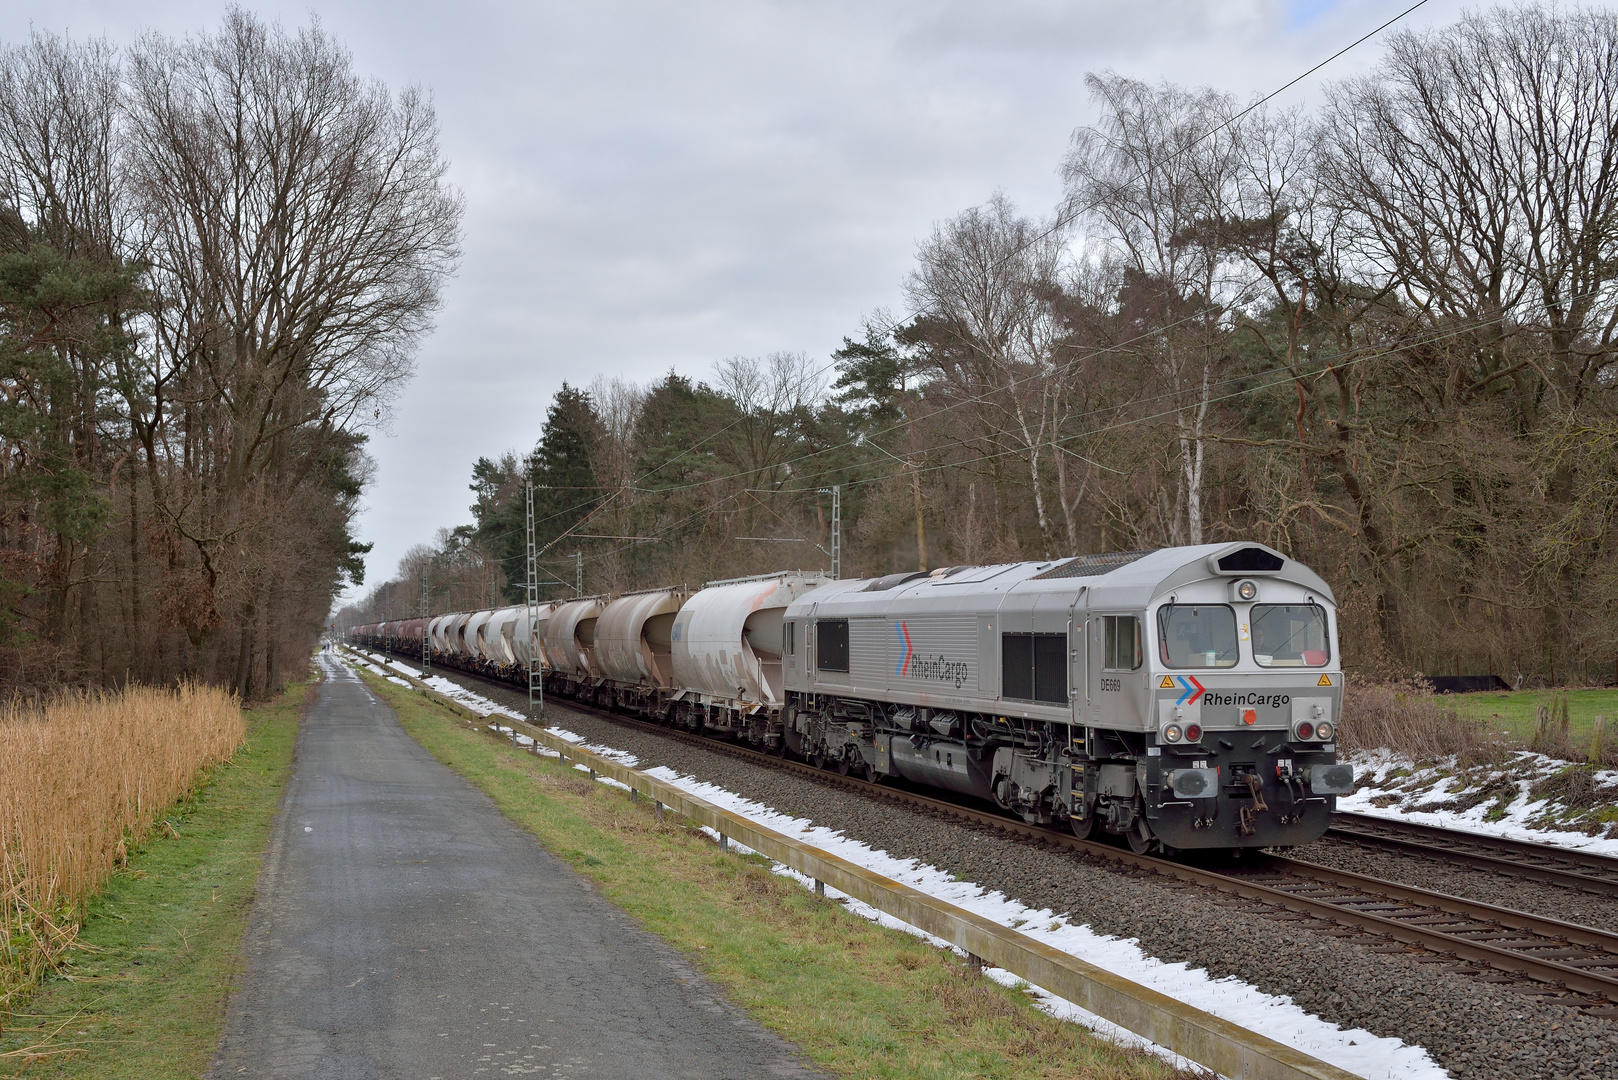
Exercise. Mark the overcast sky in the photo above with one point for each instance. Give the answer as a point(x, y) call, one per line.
point(654, 186)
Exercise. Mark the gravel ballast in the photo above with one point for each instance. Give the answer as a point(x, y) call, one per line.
point(1535, 897)
point(1472, 1028)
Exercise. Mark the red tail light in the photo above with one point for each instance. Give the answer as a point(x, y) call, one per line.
point(1193, 732)
point(1306, 730)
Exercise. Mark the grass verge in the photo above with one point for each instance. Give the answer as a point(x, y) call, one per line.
point(1515, 712)
point(145, 995)
point(860, 1001)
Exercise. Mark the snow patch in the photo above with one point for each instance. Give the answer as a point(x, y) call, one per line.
point(1380, 775)
point(1276, 1017)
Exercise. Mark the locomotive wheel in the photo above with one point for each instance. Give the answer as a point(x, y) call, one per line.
point(843, 767)
point(1140, 837)
point(1082, 827)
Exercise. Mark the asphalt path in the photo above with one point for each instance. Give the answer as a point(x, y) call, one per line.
point(404, 928)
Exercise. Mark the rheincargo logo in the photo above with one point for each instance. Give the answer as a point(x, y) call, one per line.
point(927, 668)
point(1272, 701)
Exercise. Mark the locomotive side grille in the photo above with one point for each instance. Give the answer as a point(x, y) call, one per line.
point(1090, 565)
point(868, 651)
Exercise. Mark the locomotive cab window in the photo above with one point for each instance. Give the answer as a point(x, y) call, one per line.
point(1196, 636)
point(831, 644)
point(1033, 667)
point(1290, 635)
point(1121, 647)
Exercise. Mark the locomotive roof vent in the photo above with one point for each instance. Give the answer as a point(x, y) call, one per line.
point(1249, 560)
point(883, 584)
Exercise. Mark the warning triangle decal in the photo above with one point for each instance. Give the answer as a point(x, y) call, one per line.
point(1166, 684)
point(1325, 680)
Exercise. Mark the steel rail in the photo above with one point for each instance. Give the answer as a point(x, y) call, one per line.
point(1511, 858)
point(1592, 951)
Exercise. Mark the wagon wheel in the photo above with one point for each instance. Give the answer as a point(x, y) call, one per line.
point(1140, 837)
point(1082, 826)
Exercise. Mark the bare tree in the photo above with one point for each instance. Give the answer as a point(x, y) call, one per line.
point(1153, 180)
point(986, 280)
point(299, 229)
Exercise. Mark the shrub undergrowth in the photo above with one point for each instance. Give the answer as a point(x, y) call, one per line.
point(1409, 719)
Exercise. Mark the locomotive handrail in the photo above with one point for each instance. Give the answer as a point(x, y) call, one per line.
point(1218, 1044)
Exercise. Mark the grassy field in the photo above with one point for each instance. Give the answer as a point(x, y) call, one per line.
point(145, 998)
point(860, 1000)
point(1515, 712)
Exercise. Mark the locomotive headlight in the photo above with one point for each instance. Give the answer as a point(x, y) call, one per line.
point(1172, 733)
point(1246, 590)
point(1323, 730)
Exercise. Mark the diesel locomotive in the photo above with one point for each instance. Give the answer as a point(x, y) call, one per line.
point(1183, 698)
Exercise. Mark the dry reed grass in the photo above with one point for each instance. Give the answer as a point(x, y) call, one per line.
point(82, 777)
point(1408, 718)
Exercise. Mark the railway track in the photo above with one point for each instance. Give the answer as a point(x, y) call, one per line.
point(1574, 965)
point(1509, 858)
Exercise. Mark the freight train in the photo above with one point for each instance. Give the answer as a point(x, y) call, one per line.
point(1183, 698)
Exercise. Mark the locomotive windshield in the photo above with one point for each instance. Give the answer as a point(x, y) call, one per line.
point(1200, 636)
point(1290, 635)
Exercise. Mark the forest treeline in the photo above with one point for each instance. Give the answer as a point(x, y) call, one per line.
point(1377, 334)
point(216, 255)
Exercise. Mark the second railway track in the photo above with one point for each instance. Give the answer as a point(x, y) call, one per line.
point(1575, 965)
point(1510, 858)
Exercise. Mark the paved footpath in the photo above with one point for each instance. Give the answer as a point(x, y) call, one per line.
point(404, 928)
